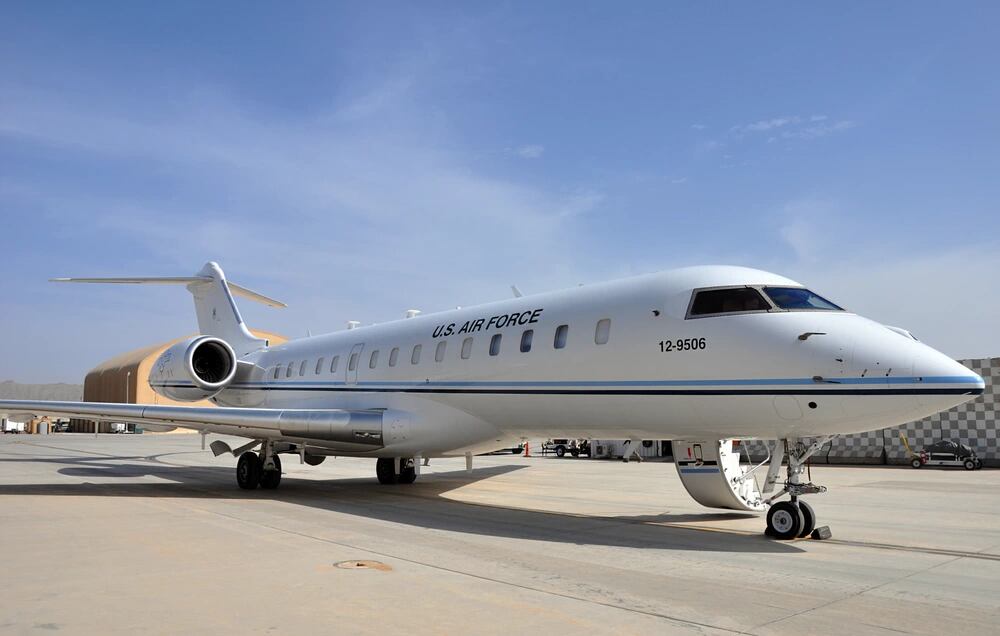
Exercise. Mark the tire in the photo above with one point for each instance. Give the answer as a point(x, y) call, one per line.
point(269, 479)
point(248, 471)
point(969, 464)
point(916, 463)
point(979, 463)
point(784, 521)
point(560, 451)
point(575, 452)
point(407, 474)
point(385, 471)
point(808, 519)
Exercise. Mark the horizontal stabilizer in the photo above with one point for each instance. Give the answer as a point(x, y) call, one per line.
point(238, 290)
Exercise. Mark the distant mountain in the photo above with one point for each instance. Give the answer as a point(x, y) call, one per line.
point(10, 390)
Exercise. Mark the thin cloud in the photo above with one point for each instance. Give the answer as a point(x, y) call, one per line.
point(530, 151)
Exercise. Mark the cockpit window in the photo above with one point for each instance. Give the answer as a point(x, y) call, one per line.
point(708, 302)
point(799, 298)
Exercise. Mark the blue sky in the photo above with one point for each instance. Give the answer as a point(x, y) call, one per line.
point(357, 160)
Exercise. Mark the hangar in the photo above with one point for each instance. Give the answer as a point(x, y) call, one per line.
point(125, 379)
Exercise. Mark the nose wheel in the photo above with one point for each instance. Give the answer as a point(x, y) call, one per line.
point(795, 518)
point(790, 520)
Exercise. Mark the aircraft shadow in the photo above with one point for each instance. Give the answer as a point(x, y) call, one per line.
point(422, 504)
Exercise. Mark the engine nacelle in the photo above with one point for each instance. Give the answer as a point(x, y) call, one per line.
point(195, 369)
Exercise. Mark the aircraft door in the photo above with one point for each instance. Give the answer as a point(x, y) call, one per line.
point(353, 363)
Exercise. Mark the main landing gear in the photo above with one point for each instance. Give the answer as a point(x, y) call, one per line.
point(396, 470)
point(793, 519)
point(262, 470)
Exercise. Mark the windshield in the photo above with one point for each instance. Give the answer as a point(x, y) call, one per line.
point(727, 301)
point(799, 298)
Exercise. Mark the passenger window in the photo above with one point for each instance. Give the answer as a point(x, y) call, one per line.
point(603, 331)
point(561, 332)
point(466, 348)
point(526, 340)
point(333, 364)
point(393, 356)
point(302, 367)
point(319, 365)
point(353, 363)
point(439, 352)
point(415, 356)
point(290, 370)
point(495, 344)
point(277, 371)
point(373, 360)
point(733, 300)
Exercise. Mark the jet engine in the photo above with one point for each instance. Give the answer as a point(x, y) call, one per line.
point(194, 369)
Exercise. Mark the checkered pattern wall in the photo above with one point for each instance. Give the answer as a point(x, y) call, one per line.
point(974, 423)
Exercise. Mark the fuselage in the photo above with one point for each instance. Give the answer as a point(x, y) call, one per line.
point(639, 358)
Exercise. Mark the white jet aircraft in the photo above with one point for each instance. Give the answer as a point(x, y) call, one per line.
point(702, 356)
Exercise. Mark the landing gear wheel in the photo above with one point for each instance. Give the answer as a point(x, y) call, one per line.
point(969, 464)
point(916, 463)
point(808, 519)
point(248, 470)
point(270, 479)
point(784, 521)
point(407, 471)
point(385, 471)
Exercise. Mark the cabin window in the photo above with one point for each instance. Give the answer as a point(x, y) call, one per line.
point(319, 365)
point(526, 340)
point(799, 299)
point(333, 364)
point(439, 352)
point(415, 356)
point(466, 348)
point(290, 370)
point(393, 356)
point(353, 362)
point(560, 340)
point(603, 331)
point(302, 367)
point(277, 371)
point(495, 344)
point(373, 360)
point(731, 300)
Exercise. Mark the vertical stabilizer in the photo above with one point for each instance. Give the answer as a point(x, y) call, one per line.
point(217, 312)
point(213, 302)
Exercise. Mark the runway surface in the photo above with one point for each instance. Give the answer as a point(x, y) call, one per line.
point(149, 533)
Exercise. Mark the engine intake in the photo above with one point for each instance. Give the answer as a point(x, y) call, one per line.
point(194, 369)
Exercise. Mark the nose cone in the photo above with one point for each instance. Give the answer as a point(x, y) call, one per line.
point(943, 383)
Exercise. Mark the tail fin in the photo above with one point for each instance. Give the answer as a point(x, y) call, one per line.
point(213, 302)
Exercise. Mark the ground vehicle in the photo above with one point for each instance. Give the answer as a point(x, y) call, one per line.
point(562, 446)
point(944, 453)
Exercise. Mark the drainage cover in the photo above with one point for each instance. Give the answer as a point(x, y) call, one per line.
point(363, 565)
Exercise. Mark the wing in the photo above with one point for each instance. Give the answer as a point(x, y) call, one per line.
point(359, 430)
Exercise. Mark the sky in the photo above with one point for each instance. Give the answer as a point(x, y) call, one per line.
point(356, 160)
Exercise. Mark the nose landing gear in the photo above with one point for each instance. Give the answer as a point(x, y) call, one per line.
point(793, 519)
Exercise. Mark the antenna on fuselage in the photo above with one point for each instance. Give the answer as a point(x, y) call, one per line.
point(351, 324)
point(412, 313)
point(516, 291)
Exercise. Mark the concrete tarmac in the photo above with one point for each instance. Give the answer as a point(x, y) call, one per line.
point(126, 534)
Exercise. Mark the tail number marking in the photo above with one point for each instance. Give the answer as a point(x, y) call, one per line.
point(683, 344)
